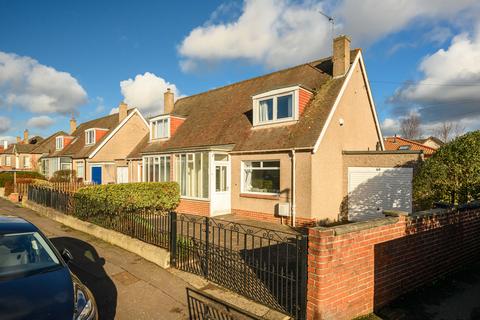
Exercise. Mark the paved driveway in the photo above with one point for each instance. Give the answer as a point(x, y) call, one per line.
point(125, 286)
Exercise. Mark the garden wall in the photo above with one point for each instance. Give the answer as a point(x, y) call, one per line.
point(356, 268)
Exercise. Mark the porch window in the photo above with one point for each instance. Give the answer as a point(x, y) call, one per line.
point(191, 173)
point(156, 168)
point(261, 177)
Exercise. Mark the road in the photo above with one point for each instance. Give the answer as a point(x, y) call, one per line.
point(125, 285)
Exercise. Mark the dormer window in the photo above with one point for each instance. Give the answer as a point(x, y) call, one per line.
point(280, 105)
point(90, 136)
point(160, 128)
point(59, 143)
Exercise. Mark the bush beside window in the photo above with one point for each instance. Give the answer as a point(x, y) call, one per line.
point(113, 199)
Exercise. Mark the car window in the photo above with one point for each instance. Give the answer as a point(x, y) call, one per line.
point(25, 253)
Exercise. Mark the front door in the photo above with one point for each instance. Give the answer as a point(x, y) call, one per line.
point(122, 174)
point(97, 175)
point(221, 201)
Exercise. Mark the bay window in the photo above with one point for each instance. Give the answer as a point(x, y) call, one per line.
point(191, 173)
point(261, 177)
point(156, 168)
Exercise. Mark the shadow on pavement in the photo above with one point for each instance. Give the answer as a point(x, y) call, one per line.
point(88, 267)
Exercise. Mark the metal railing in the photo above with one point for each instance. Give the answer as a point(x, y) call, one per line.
point(202, 306)
point(265, 265)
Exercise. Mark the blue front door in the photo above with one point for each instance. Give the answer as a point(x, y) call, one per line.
point(97, 175)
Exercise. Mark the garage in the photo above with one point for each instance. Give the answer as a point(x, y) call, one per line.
point(373, 190)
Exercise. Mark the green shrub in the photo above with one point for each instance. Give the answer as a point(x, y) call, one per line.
point(113, 199)
point(451, 175)
point(64, 176)
point(8, 176)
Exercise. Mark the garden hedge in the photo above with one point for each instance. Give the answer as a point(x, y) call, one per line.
point(112, 199)
point(8, 176)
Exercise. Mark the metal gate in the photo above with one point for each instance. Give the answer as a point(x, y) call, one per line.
point(202, 306)
point(265, 265)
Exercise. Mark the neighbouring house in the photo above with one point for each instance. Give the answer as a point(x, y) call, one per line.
point(402, 144)
point(432, 142)
point(21, 155)
point(276, 147)
point(97, 149)
point(45, 149)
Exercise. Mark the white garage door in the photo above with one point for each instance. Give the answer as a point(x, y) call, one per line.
point(372, 190)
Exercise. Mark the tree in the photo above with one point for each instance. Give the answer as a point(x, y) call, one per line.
point(448, 131)
point(410, 126)
point(451, 175)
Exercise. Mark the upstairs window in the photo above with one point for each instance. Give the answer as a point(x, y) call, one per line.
point(280, 105)
point(90, 136)
point(160, 128)
point(59, 143)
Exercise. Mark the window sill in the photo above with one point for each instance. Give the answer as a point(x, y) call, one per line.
point(260, 196)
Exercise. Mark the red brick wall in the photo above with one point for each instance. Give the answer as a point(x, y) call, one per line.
point(271, 218)
point(351, 273)
point(174, 124)
point(197, 207)
point(304, 98)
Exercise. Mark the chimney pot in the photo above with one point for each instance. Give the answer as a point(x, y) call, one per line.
point(122, 111)
point(168, 101)
point(25, 136)
point(341, 55)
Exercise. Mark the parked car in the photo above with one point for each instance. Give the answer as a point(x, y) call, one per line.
point(35, 281)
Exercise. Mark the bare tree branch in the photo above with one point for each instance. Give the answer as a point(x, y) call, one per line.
point(410, 127)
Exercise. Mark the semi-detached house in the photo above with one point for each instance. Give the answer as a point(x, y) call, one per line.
point(97, 149)
point(271, 146)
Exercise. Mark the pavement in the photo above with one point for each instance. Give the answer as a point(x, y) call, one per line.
point(125, 285)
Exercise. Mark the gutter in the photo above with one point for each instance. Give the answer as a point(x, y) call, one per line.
point(273, 150)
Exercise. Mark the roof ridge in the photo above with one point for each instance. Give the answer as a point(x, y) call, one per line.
point(414, 142)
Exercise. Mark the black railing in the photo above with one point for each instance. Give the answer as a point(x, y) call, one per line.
point(202, 306)
point(267, 266)
point(150, 226)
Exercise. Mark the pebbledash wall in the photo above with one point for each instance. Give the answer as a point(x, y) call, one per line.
point(356, 268)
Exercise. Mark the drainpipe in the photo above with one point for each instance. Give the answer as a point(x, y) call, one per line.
point(294, 213)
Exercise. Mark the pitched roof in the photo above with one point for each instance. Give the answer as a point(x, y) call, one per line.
point(48, 144)
point(434, 139)
point(224, 116)
point(395, 143)
point(77, 149)
point(21, 147)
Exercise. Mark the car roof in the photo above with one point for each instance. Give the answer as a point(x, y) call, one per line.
point(12, 224)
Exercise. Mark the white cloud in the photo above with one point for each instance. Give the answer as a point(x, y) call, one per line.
point(146, 92)
point(4, 124)
point(41, 122)
point(278, 33)
point(26, 83)
point(390, 126)
point(450, 86)
point(9, 139)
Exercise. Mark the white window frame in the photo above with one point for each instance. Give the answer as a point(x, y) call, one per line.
point(82, 165)
point(242, 175)
point(87, 133)
point(274, 95)
point(167, 127)
point(27, 162)
point(162, 170)
point(8, 161)
point(190, 157)
point(59, 143)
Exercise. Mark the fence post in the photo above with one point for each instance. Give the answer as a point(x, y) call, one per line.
point(303, 278)
point(207, 238)
point(173, 238)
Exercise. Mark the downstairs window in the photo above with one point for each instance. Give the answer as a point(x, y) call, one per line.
point(261, 177)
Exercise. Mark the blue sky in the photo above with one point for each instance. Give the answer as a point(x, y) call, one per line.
point(59, 57)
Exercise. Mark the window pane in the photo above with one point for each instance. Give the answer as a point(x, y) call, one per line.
point(167, 168)
point(198, 174)
point(221, 157)
point(271, 164)
point(183, 177)
point(284, 107)
point(205, 182)
point(220, 178)
point(255, 164)
point(156, 170)
point(262, 180)
point(265, 110)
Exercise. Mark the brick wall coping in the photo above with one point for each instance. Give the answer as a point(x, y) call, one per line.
point(360, 225)
point(355, 152)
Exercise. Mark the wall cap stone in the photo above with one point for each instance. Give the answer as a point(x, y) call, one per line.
point(360, 225)
point(395, 213)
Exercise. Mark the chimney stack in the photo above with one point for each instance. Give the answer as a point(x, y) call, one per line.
point(5, 144)
point(19, 139)
point(25, 136)
point(73, 124)
point(168, 101)
point(122, 111)
point(341, 55)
